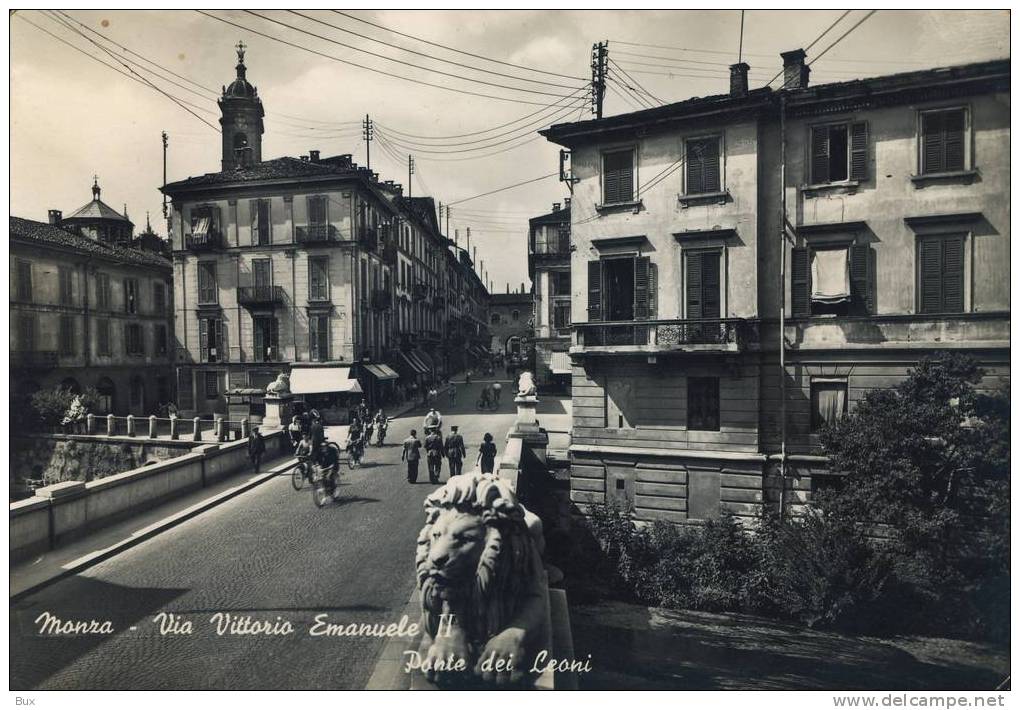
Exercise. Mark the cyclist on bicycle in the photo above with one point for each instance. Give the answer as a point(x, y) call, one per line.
point(317, 436)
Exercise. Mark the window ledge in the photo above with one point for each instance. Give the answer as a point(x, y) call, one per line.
point(634, 205)
point(848, 185)
point(704, 198)
point(964, 176)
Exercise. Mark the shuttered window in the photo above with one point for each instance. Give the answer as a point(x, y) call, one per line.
point(66, 335)
point(159, 298)
point(702, 285)
point(24, 280)
point(131, 295)
point(703, 403)
point(66, 285)
point(210, 340)
point(103, 292)
point(133, 341)
point(266, 338)
point(103, 337)
point(318, 278)
point(260, 223)
point(207, 291)
point(862, 297)
point(839, 152)
point(940, 279)
point(161, 342)
point(318, 214)
point(943, 135)
point(703, 160)
point(26, 333)
point(594, 290)
point(618, 177)
point(318, 338)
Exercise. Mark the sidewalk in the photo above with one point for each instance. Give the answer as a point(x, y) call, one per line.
point(94, 547)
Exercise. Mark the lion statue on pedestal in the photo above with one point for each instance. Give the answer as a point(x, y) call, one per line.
point(281, 385)
point(484, 594)
point(526, 385)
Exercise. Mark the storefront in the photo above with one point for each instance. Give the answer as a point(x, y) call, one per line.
point(379, 382)
point(326, 388)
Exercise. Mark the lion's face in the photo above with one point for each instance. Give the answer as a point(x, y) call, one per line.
point(456, 543)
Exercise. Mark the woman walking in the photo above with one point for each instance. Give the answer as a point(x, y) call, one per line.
point(487, 454)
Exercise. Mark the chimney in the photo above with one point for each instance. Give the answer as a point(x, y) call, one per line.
point(304, 158)
point(556, 207)
point(566, 203)
point(738, 80)
point(56, 216)
point(313, 156)
point(795, 71)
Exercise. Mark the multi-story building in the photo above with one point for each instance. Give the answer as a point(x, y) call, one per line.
point(88, 311)
point(510, 322)
point(285, 262)
point(711, 342)
point(549, 269)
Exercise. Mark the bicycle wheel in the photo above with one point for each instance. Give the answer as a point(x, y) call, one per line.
point(298, 476)
point(319, 494)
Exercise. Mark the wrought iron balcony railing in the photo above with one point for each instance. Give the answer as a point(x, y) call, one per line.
point(720, 333)
point(316, 234)
point(204, 242)
point(260, 295)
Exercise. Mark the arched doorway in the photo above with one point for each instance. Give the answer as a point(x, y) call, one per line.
point(107, 392)
point(513, 345)
point(137, 388)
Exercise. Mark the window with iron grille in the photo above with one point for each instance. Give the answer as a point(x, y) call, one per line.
point(66, 335)
point(24, 280)
point(940, 274)
point(703, 166)
point(131, 295)
point(703, 403)
point(943, 141)
point(212, 385)
point(839, 151)
point(207, 291)
point(618, 176)
point(318, 278)
point(133, 342)
point(66, 285)
point(185, 388)
point(103, 292)
point(103, 337)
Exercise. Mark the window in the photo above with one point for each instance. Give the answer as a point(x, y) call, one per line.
point(943, 141)
point(318, 338)
point(703, 174)
point(494, 319)
point(559, 282)
point(703, 403)
point(262, 276)
point(210, 340)
point(103, 292)
point(133, 343)
point(131, 295)
point(621, 289)
point(207, 291)
point(106, 392)
point(159, 297)
point(265, 338)
point(212, 385)
point(205, 221)
point(940, 274)
point(702, 284)
point(26, 333)
point(185, 388)
point(137, 389)
point(161, 341)
point(103, 337)
point(66, 335)
point(828, 403)
point(66, 285)
point(261, 226)
point(318, 278)
point(839, 152)
point(831, 279)
point(515, 316)
point(24, 280)
point(561, 316)
point(318, 211)
point(618, 176)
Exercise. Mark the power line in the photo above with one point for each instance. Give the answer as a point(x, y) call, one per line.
point(398, 61)
point(842, 36)
point(428, 56)
point(502, 189)
point(629, 101)
point(613, 62)
point(759, 54)
point(431, 158)
point(458, 51)
point(816, 40)
point(367, 68)
point(643, 102)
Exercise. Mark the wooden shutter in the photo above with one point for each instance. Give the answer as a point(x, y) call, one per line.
point(258, 342)
point(642, 267)
point(203, 339)
point(274, 338)
point(952, 140)
point(323, 345)
point(800, 282)
point(860, 279)
point(713, 175)
point(859, 150)
point(254, 211)
point(695, 167)
point(221, 354)
point(695, 306)
point(952, 275)
point(819, 154)
point(618, 176)
point(313, 338)
point(931, 275)
point(594, 290)
point(932, 146)
point(711, 303)
point(653, 291)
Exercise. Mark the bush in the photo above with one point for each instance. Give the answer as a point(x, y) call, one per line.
point(50, 406)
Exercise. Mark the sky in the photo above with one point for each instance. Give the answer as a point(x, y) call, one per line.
point(72, 117)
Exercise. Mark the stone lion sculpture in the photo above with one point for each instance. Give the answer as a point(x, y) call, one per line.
point(281, 385)
point(526, 386)
point(484, 595)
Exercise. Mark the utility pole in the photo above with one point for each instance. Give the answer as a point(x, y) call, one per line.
point(469, 244)
point(165, 142)
point(410, 172)
point(447, 219)
point(367, 134)
point(599, 55)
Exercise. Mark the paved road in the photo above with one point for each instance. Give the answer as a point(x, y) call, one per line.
point(268, 554)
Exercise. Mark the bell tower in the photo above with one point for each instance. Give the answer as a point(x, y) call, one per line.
point(241, 120)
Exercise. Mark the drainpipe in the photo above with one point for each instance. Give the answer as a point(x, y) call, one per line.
point(782, 304)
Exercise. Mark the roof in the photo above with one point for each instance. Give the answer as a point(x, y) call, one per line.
point(556, 217)
point(97, 209)
point(275, 169)
point(43, 234)
point(904, 87)
point(510, 299)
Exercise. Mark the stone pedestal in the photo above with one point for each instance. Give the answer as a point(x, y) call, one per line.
point(277, 410)
point(526, 428)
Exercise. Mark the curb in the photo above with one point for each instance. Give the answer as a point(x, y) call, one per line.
point(153, 530)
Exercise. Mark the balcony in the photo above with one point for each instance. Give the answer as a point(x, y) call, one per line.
point(419, 292)
point(316, 234)
point(382, 300)
point(719, 335)
point(209, 241)
point(260, 295)
point(368, 237)
point(34, 358)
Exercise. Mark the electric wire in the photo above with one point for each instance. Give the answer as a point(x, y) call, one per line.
point(816, 40)
point(646, 91)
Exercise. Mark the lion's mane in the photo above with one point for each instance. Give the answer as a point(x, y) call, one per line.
point(484, 605)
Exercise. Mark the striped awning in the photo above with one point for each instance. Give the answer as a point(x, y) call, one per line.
point(415, 366)
point(380, 371)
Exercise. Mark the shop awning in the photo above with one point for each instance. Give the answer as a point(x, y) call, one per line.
point(416, 367)
point(419, 366)
point(560, 364)
point(380, 371)
point(319, 380)
point(425, 359)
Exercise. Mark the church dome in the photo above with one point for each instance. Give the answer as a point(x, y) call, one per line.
point(240, 88)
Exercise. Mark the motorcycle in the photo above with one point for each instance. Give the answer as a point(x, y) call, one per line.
point(326, 478)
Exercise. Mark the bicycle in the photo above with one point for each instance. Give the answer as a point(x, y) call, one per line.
point(325, 485)
point(301, 473)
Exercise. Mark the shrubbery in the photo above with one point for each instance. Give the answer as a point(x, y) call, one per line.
point(48, 407)
point(916, 539)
